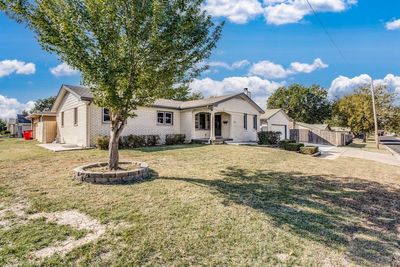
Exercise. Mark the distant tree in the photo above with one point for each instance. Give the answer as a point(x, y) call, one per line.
point(43, 104)
point(2, 125)
point(355, 111)
point(304, 104)
point(128, 52)
point(25, 113)
point(186, 95)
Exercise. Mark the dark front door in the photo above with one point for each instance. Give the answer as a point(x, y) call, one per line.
point(218, 131)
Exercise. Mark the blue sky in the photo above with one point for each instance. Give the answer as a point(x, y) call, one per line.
point(265, 44)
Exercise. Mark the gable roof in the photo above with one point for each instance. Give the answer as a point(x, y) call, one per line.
point(21, 119)
point(84, 93)
point(269, 113)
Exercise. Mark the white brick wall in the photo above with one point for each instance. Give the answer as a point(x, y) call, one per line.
point(144, 124)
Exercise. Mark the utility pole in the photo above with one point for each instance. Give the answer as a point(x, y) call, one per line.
point(375, 116)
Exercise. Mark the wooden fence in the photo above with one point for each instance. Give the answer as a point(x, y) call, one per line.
point(322, 137)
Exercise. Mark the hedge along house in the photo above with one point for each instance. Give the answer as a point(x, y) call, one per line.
point(276, 120)
point(235, 117)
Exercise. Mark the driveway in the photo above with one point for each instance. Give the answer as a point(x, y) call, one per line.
point(332, 153)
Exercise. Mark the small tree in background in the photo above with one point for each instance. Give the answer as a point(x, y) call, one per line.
point(43, 104)
point(304, 104)
point(128, 52)
point(2, 125)
point(355, 111)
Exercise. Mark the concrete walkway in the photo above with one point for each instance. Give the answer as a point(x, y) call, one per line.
point(336, 152)
point(62, 147)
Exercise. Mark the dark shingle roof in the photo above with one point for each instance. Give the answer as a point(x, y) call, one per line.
point(84, 93)
point(21, 119)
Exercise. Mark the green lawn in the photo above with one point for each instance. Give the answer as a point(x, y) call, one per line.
point(208, 205)
point(370, 146)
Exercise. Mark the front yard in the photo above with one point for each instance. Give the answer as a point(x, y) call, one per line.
point(209, 205)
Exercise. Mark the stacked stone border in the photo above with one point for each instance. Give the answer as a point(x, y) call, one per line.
point(84, 174)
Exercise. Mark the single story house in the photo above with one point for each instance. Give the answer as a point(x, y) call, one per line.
point(18, 125)
point(44, 126)
point(276, 120)
point(235, 117)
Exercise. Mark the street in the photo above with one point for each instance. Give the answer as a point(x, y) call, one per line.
point(391, 142)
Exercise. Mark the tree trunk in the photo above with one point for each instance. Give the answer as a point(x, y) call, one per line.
point(117, 125)
point(364, 137)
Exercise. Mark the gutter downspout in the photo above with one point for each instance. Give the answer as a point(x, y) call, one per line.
point(88, 128)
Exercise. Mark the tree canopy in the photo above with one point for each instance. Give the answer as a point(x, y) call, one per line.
point(128, 52)
point(2, 124)
point(301, 103)
point(355, 111)
point(43, 104)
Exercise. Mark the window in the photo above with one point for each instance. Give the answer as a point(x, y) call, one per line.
point(245, 121)
point(165, 118)
point(202, 121)
point(75, 116)
point(106, 115)
point(62, 119)
point(255, 122)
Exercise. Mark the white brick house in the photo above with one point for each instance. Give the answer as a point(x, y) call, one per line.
point(235, 117)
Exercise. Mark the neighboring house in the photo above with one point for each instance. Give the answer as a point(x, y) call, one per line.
point(276, 120)
point(235, 117)
point(18, 125)
point(311, 127)
point(44, 126)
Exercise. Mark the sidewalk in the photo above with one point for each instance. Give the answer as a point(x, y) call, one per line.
point(337, 152)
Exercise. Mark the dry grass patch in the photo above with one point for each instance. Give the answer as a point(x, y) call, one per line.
point(217, 205)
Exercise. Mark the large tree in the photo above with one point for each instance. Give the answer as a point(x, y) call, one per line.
point(43, 104)
point(304, 104)
point(128, 52)
point(355, 111)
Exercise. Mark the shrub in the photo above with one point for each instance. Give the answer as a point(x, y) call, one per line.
point(7, 132)
point(152, 140)
point(268, 138)
point(309, 150)
point(282, 143)
point(102, 142)
point(175, 139)
point(293, 146)
point(132, 141)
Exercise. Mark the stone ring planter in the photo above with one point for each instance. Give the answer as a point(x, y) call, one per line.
point(84, 174)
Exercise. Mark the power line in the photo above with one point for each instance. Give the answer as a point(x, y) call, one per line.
point(326, 31)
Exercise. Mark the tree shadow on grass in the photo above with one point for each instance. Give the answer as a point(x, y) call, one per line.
point(359, 215)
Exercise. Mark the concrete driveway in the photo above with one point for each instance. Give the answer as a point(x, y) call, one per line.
point(332, 153)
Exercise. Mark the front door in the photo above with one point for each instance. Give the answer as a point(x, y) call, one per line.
point(218, 129)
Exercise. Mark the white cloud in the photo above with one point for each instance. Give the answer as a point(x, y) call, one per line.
point(8, 67)
point(343, 85)
point(292, 11)
point(260, 88)
point(237, 11)
point(234, 66)
point(393, 25)
point(276, 12)
point(10, 107)
point(63, 70)
point(271, 70)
